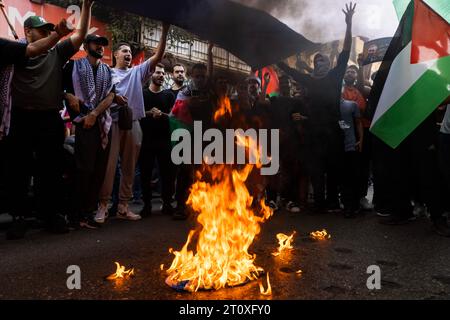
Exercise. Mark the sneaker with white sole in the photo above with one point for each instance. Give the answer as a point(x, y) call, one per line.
point(102, 214)
point(273, 205)
point(365, 204)
point(293, 207)
point(124, 212)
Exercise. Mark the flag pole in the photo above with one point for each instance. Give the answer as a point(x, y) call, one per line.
point(2, 7)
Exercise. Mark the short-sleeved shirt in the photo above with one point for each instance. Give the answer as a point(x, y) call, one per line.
point(349, 113)
point(157, 130)
point(38, 84)
point(12, 52)
point(129, 83)
point(446, 121)
point(352, 93)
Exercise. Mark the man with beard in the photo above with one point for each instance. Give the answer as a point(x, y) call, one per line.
point(327, 141)
point(37, 130)
point(129, 82)
point(156, 142)
point(179, 78)
point(88, 87)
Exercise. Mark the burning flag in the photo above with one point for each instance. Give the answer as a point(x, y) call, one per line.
point(285, 243)
point(229, 220)
point(415, 75)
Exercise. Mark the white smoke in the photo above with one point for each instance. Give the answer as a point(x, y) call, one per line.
point(323, 20)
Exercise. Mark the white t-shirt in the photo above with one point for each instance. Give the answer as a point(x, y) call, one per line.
point(129, 83)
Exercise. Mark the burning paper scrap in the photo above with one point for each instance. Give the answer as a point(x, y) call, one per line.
point(121, 273)
point(320, 235)
point(285, 243)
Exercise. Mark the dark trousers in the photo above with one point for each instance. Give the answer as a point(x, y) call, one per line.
point(365, 164)
point(326, 156)
point(36, 140)
point(428, 180)
point(392, 171)
point(273, 187)
point(185, 178)
point(444, 161)
point(350, 181)
point(91, 161)
point(3, 185)
point(161, 152)
point(293, 174)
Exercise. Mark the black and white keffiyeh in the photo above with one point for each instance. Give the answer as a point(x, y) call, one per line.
point(93, 90)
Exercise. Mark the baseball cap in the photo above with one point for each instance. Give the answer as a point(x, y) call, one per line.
point(38, 22)
point(103, 41)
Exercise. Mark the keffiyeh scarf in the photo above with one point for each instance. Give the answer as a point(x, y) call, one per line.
point(92, 91)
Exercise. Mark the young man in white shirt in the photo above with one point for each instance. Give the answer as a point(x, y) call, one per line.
point(129, 82)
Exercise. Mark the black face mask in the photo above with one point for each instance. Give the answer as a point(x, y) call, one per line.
point(95, 54)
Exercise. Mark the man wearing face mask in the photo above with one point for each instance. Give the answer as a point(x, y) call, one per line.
point(88, 95)
point(324, 88)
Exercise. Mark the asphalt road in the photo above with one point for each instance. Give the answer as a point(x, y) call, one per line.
point(414, 262)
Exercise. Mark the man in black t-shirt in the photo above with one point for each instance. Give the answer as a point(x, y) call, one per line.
point(156, 142)
point(324, 88)
point(179, 78)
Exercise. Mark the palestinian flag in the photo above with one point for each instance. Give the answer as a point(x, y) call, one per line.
point(180, 116)
point(273, 89)
point(414, 78)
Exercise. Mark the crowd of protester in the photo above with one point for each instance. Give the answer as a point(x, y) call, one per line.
point(68, 177)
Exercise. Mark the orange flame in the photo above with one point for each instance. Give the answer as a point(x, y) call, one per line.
point(268, 291)
point(224, 108)
point(121, 273)
point(320, 235)
point(285, 243)
point(229, 222)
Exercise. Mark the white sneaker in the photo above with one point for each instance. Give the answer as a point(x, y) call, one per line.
point(293, 207)
point(365, 204)
point(124, 212)
point(102, 214)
